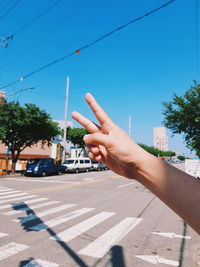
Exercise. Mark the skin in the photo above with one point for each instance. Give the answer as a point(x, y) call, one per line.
point(110, 144)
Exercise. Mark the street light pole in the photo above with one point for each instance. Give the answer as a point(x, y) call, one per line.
point(65, 119)
point(19, 91)
point(7, 158)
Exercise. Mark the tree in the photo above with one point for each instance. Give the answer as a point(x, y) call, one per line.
point(181, 158)
point(75, 135)
point(182, 116)
point(22, 127)
point(157, 152)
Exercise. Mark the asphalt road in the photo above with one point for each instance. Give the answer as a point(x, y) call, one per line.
point(90, 219)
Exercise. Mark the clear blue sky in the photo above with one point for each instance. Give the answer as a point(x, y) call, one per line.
point(130, 73)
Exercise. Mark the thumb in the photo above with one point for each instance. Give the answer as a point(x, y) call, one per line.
point(97, 139)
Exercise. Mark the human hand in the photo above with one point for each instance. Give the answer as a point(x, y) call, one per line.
point(109, 143)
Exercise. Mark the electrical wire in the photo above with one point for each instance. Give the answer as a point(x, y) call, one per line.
point(33, 20)
point(42, 38)
point(10, 9)
point(77, 51)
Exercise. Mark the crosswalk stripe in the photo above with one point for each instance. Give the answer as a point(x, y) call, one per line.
point(3, 234)
point(17, 198)
point(45, 213)
point(42, 263)
point(6, 189)
point(21, 203)
point(82, 227)
point(11, 249)
point(14, 195)
point(12, 212)
point(61, 219)
point(99, 247)
point(9, 192)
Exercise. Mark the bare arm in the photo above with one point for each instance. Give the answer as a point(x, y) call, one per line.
point(110, 144)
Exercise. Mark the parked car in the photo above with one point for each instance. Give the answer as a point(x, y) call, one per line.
point(99, 166)
point(78, 164)
point(43, 167)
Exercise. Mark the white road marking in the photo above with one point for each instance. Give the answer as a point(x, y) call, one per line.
point(42, 181)
point(9, 192)
point(17, 198)
point(22, 203)
point(14, 195)
point(99, 247)
point(172, 235)
point(12, 212)
point(61, 219)
point(45, 213)
point(157, 259)
point(5, 190)
point(120, 186)
point(11, 249)
point(40, 263)
point(3, 234)
point(82, 227)
point(56, 181)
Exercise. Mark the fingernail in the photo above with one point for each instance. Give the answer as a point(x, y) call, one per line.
point(85, 137)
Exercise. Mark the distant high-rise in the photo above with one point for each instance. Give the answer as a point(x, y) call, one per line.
point(160, 139)
point(2, 97)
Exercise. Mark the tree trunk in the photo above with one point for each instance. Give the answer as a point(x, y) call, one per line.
point(15, 157)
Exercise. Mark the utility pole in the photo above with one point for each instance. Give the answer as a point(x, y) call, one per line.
point(129, 125)
point(19, 91)
point(65, 118)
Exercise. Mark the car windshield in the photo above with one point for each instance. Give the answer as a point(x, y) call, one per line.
point(69, 161)
point(33, 161)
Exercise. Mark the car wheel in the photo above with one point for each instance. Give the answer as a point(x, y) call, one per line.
point(77, 170)
point(87, 170)
point(59, 172)
point(44, 174)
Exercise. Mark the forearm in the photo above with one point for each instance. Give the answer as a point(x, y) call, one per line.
point(175, 188)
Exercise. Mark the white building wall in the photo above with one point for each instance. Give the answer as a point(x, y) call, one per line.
point(160, 140)
point(192, 167)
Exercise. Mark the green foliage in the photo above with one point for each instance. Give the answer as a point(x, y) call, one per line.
point(22, 127)
point(156, 152)
point(182, 158)
point(182, 116)
point(75, 135)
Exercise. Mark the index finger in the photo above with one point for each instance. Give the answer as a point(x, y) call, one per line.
point(87, 124)
point(100, 114)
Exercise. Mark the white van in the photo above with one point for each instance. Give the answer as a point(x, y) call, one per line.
point(78, 164)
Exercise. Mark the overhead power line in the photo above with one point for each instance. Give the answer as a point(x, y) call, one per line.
point(39, 40)
point(77, 51)
point(10, 9)
point(33, 20)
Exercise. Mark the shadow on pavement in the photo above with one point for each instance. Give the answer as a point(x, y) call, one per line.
point(182, 245)
point(27, 222)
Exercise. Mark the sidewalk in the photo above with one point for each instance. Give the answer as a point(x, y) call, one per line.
point(17, 174)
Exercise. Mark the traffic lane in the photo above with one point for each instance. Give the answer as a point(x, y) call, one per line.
point(133, 200)
point(28, 183)
point(155, 217)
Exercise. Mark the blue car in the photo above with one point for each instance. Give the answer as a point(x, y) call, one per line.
point(43, 167)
